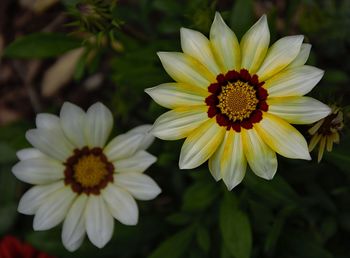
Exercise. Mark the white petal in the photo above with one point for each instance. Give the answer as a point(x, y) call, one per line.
point(73, 123)
point(254, 45)
point(29, 153)
point(195, 44)
point(99, 221)
point(225, 44)
point(298, 110)
point(123, 146)
point(282, 137)
point(137, 163)
point(50, 142)
point(180, 122)
point(99, 123)
point(281, 54)
point(73, 231)
point(173, 95)
point(38, 170)
point(201, 144)
point(228, 161)
point(121, 204)
point(148, 138)
point(261, 158)
point(186, 69)
point(301, 57)
point(47, 121)
point(296, 81)
point(54, 209)
point(35, 196)
point(141, 186)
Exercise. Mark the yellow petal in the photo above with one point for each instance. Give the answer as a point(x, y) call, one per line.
point(301, 57)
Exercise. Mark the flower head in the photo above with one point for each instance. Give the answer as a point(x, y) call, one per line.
point(235, 101)
point(79, 179)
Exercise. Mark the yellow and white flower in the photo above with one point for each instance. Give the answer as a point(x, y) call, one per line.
point(235, 101)
point(79, 179)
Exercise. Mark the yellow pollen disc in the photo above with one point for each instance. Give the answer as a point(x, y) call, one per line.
point(237, 100)
point(89, 171)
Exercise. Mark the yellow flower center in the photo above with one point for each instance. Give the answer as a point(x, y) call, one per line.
point(90, 170)
point(237, 100)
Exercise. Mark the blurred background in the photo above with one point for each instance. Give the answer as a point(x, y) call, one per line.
point(85, 51)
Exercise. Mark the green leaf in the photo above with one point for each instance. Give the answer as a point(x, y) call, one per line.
point(178, 218)
point(8, 214)
point(242, 16)
point(41, 45)
point(203, 238)
point(235, 229)
point(7, 153)
point(176, 245)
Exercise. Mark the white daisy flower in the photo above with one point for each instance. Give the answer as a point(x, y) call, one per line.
point(79, 179)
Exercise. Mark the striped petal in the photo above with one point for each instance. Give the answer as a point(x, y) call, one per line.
point(301, 57)
point(228, 161)
point(137, 163)
point(180, 122)
point(145, 130)
point(261, 158)
point(47, 121)
point(225, 45)
point(254, 45)
point(186, 69)
point(296, 81)
point(173, 95)
point(298, 110)
point(29, 153)
point(201, 144)
point(282, 137)
point(195, 44)
point(281, 53)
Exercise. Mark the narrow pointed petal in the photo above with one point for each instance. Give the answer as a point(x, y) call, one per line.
point(229, 161)
point(180, 122)
point(54, 209)
point(296, 81)
point(136, 163)
point(73, 123)
point(145, 130)
point(73, 231)
point(298, 110)
point(99, 221)
point(195, 44)
point(225, 45)
point(186, 69)
point(39, 170)
point(282, 137)
point(29, 153)
point(140, 186)
point(35, 196)
point(301, 57)
point(173, 95)
point(281, 54)
point(99, 123)
point(254, 45)
point(47, 121)
point(121, 204)
point(261, 158)
point(201, 144)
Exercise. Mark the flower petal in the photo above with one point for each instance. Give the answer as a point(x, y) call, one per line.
point(281, 53)
point(186, 69)
point(201, 144)
point(228, 161)
point(298, 110)
point(137, 163)
point(121, 204)
point(296, 81)
point(148, 138)
point(225, 44)
point(73, 123)
point(73, 231)
point(282, 137)
point(301, 57)
point(98, 221)
point(254, 45)
point(195, 44)
point(47, 121)
point(29, 153)
point(262, 160)
point(99, 123)
point(141, 186)
point(54, 209)
point(35, 196)
point(180, 122)
point(38, 170)
point(173, 95)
